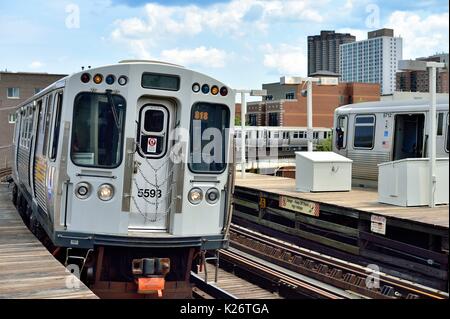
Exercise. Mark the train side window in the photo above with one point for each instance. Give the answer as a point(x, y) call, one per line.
point(341, 132)
point(46, 123)
point(154, 125)
point(440, 124)
point(208, 138)
point(447, 146)
point(364, 131)
point(56, 128)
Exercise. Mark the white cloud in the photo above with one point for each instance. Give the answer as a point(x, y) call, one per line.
point(208, 57)
point(36, 65)
point(421, 36)
point(286, 59)
point(237, 17)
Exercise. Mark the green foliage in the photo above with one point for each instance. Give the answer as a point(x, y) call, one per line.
point(237, 121)
point(325, 145)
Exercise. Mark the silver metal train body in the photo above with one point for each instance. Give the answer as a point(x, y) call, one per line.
point(285, 139)
point(375, 132)
point(106, 163)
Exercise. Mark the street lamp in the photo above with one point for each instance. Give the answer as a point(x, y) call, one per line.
point(286, 80)
point(243, 112)
point(416, 65)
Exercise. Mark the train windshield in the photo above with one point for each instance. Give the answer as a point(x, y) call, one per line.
point(97, 134)
point(209, 135)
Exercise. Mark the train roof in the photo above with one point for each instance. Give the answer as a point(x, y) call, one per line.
point(62, 82)
point(412, 104)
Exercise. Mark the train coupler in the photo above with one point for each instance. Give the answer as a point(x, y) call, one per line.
point(150, 274)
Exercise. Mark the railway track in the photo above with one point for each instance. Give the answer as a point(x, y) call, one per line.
point(272, 281)
point(360, 280)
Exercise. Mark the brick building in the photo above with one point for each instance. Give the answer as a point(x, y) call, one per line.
point(418, 81)
point(285, 106)
point(15, 88)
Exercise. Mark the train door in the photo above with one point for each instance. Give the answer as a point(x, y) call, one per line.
point(341, 135)
point(408, 136)
point(152, 180)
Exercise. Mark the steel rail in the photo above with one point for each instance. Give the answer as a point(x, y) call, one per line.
point(356, 270)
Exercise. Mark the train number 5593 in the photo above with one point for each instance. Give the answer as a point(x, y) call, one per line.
point(152, 193)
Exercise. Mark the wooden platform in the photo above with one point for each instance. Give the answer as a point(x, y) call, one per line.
point(359, 199)
point(410, 242)
point(27, 269)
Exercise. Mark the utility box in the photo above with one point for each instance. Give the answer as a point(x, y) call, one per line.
point(406, 182)
point(322, 172)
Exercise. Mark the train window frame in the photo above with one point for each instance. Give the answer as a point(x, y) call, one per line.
point(52, 146)
point(47, 123)
point(225, 138)
point(345, 137)
point(41, 107)
point(440, 124)
point(355, 125)
point(447, 137)
point(163, 133)
point(122, 141)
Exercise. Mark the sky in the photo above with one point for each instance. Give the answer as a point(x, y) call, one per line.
point(242, 43)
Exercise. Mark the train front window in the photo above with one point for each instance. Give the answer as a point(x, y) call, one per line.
point(97, 133)
point(209, 130)
point(364, 131)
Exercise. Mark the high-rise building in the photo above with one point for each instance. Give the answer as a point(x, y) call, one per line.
point(418, 81)
point(374, 60)
point(323, 51)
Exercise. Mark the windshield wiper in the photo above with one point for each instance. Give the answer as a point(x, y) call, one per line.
point(113, 108)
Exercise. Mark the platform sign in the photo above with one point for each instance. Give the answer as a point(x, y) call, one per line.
point(378, 224)
point(299, 205)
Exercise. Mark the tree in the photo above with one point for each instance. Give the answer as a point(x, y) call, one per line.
point(325, 145)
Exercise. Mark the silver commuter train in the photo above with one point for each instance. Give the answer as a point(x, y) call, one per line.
point(285, 138)
point(95, 171)
point(371, 133)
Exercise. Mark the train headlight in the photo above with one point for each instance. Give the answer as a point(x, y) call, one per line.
point(196, 87)
point(83, 190)
point(195, 196)
point(105, 192)
point(85, 77)
point(212, 195)
point(205, 88)
point(215, 90)
point(110, 79)
point(98, 78)
point(223, 91)
point(123, 80)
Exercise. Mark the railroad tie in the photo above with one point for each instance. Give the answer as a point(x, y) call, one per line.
point(336, 273)
point(350, 278)
point(287, 256)
point(323, 269)
point(388, 291)
point(298, 260)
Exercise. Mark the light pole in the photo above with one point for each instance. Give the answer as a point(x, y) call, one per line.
point(415, 65)
point(286, 80)
point(243, 112)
